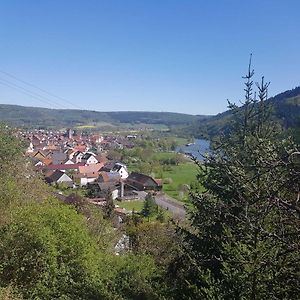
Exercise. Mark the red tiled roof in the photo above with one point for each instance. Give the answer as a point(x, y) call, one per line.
point(94, 168)
point(65, 167)
point(80, 148)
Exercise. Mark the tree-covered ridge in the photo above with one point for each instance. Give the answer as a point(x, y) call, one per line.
point(35, 116)
point(284, 109)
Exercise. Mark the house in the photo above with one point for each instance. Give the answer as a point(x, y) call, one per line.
point(87, 174)
point(58, 157)
point(120, 169)
point(39, 154)
point(89, 158)
point(59, 177)
point(101, 158)
point(96, 138)
point(108, 166)
point(81, 148)
point(142, 182)
point(84, 179)
point(40, 162)
point(68, 161)
point(109, 177)
point(90, 169)
point(76, 156)
point(64, 167)
point(101, 189)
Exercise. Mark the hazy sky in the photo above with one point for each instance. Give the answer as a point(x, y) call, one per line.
point(156, 55)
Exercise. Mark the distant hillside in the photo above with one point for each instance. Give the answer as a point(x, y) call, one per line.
point(285, 108)
point(44, 117)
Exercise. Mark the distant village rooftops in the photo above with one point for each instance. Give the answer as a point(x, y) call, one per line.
point(81, 160)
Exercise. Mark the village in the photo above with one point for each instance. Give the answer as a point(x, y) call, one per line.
point(74, 161)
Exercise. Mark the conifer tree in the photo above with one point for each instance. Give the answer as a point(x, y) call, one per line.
point(243, 240)
point(150, 207)
point(109, 205)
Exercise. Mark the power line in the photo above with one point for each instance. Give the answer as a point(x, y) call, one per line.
point(30, 93)
point(40, 89)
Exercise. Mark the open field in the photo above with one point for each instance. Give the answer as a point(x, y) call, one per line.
point(176, 178)
point(163, 155)
point(135, 205)
point(183, 174)
point(85, 127)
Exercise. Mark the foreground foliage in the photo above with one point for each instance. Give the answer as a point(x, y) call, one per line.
point(55, 250)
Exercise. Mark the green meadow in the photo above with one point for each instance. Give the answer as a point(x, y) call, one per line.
point(178, 178)
point(136, 205)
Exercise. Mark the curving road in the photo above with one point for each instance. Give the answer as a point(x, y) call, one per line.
point(166, 202)
point(174, 206)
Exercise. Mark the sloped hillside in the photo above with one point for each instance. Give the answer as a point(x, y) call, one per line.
point(284, 107)
point(37, 117)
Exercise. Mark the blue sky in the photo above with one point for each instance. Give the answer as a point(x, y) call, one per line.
point(155, 55)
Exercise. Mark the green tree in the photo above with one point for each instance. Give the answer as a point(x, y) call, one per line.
point(160, 215)
point(243, 239)
point(19, 184)
point(47, 253)
point(150, 207)
point(109, 206)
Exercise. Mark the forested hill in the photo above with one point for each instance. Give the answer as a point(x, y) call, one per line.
point(287, 107)
point(284, 107)
point(35, 117)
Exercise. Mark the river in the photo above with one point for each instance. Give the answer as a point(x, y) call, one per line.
point(196, 149)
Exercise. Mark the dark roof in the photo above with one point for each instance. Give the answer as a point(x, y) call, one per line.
point(58, 157)
point(77, 153)
point(139, 177)
point(34, 160)
point(86, 156)
point(109, 177)
point(103, 186)
point(54, 176)
point(117, 167)
point(108, 166)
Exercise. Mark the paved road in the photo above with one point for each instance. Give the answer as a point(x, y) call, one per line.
point(167, 202)
point(170, 204)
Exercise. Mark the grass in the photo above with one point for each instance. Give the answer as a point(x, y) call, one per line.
point(181, 141)
point(136, 205)
point(163, 155)
point(180, 175)
point(85, 126)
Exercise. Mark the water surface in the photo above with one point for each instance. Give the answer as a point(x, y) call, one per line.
point(196, 149)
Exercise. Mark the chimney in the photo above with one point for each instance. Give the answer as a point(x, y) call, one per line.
point(122, 189)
